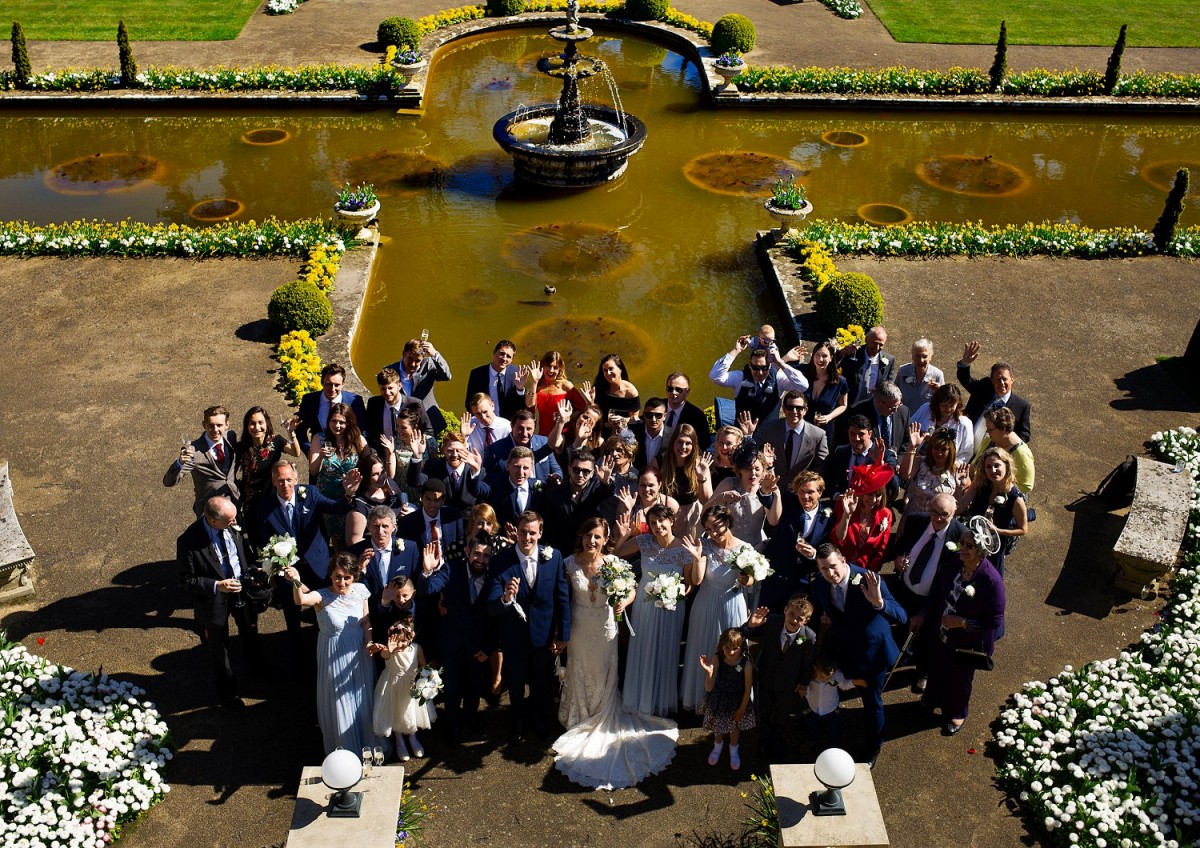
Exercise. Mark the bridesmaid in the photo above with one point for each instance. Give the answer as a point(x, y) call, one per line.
point(652, 668)
point(720, 601)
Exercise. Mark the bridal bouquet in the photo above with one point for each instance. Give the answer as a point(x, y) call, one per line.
point(665, 589)
point(427, 685)
point(751, 562)
point(278, 554)
point(617, 579)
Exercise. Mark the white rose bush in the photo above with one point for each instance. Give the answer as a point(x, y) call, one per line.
point(80, 754)
point(1109, 755)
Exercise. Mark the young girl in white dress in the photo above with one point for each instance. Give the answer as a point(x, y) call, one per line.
point(397, 712)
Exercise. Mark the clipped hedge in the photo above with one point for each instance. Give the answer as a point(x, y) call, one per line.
point(849, 298)
point(398, 32)
point(733, 33)
point(646, 10)
point(367, 79)
point(300, 305)
point(505, 8)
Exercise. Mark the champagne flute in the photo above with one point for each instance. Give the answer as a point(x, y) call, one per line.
point(366, 761)
point(378, 756)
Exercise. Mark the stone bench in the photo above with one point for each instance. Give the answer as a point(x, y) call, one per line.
point(15, 552)
point(1154, 529)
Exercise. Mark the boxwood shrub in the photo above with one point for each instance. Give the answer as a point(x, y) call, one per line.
point(850, 298)
point(300, 305)
point(733, 33)
point(401, 32)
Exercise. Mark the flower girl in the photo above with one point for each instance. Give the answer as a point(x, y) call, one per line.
point(726, 707)
point(397, 710)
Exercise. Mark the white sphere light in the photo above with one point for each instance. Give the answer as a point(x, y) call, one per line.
point(341, 770)
point(834, 768)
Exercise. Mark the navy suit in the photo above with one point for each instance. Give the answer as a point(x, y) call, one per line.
point(857, 371)
point(899, 423)
point(527, 643)
point(793, 573)
point(309, 411)
point(565, 513)
point(470, 489)
point(981, 392)
point(503, 498)
point(374, 421)
point(544, 461)
point(412, 526)
point(480, 380)
point(777, 674)
point(861, 637)
point(404, 561)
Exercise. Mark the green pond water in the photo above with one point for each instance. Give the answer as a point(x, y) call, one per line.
point(655, 266)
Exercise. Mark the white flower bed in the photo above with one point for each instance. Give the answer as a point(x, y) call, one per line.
point(282, 7)
point(1110, 755)
point(848, 9)
point(80, 754)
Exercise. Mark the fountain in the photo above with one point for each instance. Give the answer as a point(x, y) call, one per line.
point(569, 144)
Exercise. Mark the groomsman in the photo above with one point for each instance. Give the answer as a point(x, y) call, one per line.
point(682, 411)
point(499, 381)
point(315, 406)
point(516, 491)
point(209, 460)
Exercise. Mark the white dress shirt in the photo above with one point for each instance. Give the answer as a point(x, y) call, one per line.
point(929, 537)
point(823, 696)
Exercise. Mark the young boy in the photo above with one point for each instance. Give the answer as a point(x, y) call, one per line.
point(824, 696)
point(786, 647)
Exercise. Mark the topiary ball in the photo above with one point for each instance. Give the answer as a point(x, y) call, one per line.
point(398, 32)
point(646, 10)
point(300, 305)
point(733, 33)
point(850, 299)
point(505, 8)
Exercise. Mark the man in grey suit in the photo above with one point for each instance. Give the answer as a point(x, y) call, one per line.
point(210, 460)
point(798, 445)
point(419, 367)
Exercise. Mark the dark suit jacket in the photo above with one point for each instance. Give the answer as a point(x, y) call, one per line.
point(775, 671)
point(547, 605)
point(694, 415)
point(564, 515)
point(861, 636)
point(814, 447)
point(856, 371)
point(479, 380)
point(310, 407)
point(374, 428)
point(899, 440)
point(837, 471)
point(405, 560)
point(431, 370)
point(412, 526)
point(470, 490)
point(503, 498)
point(200, 569)
point(466, 627)
point(208, 479)
point(915, 525)
point(981, 392)
point(544, 461)
point(638, 429)
point(312, 546)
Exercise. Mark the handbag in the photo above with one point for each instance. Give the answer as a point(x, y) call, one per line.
point(973, 658)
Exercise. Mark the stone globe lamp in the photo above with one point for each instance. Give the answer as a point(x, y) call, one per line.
point(340, 771)
point(835, 769)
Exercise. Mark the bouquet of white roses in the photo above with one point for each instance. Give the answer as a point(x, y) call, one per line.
point(751, 562)
point(617, 579)
point(427, 685)
point(665, 589)
point(278, 554)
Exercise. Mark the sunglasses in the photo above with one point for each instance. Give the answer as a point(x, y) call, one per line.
point(675, 390)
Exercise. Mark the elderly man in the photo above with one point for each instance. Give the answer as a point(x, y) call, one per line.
point(209, 460)
point(992, 393)
point(860, 611)
point(212, 562)
point(887, 415)
point(866, 367)
point(760, 384)
point(918, 380)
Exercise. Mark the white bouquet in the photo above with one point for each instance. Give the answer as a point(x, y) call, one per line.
point(665, 589)
point(278, 554)
point(751, 562)
point(617, 579)
point(427, 685)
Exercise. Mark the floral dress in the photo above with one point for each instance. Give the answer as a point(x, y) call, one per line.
point(334, 468)
point(722, 702)
point(925, 486)
point(254, 464)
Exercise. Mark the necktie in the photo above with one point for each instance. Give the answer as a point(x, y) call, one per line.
point(839, 597)
point(385, 566)
point(671, 419)
point(787, 640)
point(223, 553)
point(455, 479)
point(531, 569)
point(231, 557)
point(922, 560)
point(522, 498)
point(487, 436)
point(806, 526)
point(475, 588)
point(395, 422)
point(435, 536)
point(220, 454)
point(789, 446)
point(291, 518)
point(885, 431)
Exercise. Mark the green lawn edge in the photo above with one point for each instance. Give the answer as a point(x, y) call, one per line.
point(147, 20)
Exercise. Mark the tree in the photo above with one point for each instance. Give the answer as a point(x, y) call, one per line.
point(20, 57)
point(1164, 230)
point(1113, 71)
point(128, 65)
point(1000, 63)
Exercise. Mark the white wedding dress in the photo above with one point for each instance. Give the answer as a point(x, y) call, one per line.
point(608, 746)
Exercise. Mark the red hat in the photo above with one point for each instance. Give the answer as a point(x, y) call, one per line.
point(870, 478)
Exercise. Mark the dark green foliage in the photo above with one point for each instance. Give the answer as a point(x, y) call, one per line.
point(849, 299)
point(1000, 63)
point(20, 57)
point(733, 33)
point(300, 305)
point(1164, 230)
point(128, 66)
point(401, 32)
point(646, 10)
point(1113, 72)
point(504, 8)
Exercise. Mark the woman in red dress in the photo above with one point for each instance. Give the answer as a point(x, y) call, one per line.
point(862, 519)
point(550, 377)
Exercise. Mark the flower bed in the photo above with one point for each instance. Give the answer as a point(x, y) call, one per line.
point(848, 9)
point(365, 79)
point(299, 365)
point(282, 7)
point(935, 238)
point(1109, 755)
point(80, 754)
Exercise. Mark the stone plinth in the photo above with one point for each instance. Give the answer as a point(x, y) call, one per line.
point(374, 828)
point(1154, 530)
point(796, 789)
point(15, 551)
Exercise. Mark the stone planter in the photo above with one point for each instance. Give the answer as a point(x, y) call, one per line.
point(728, 75)
point(361, 217)
point(787, 217)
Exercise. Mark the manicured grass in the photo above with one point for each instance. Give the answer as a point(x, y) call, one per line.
point(147, 20)
point(1152, 23)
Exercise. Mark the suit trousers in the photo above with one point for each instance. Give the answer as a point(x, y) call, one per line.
point(532, 666)
point(216, 636)
point(913, 604)
point(467, 680)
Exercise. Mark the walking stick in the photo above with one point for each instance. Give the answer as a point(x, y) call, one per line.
point(899, 659)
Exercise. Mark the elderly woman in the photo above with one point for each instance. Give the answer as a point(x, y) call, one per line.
point(918, 380)
point(345, 674)
point(862, 518)
point(993, 493)
point(1000, 425)
point(929, 472)
point(968, 605)
point(945, 409)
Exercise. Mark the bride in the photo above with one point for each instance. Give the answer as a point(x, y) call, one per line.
point(607, 746)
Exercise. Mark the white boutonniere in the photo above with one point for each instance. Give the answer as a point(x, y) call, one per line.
point(908, 378)
point(536, 485)
point(855, 579)
point(883, 525)
point(399, 545)
point(883, 360)
point(547, 553)
point(952, 547)
point(826, 512)
point(969, 590)
point(999, 500)
point(235, 527)
point(302, 492)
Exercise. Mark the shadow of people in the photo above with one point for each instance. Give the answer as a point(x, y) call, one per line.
point(1152, 388)
point(1084, 584)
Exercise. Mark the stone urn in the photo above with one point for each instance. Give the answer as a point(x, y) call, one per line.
point(410, 69)
point(728, 73)
point(359, 217)
point(787, 218)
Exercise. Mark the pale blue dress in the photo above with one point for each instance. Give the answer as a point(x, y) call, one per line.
point(720, 604)
point(345, 672)
point(652, 667)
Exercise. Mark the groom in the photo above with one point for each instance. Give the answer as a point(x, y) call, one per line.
point(528, 592)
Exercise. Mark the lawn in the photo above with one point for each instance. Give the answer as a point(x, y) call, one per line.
point(147, 20)
point(1152, 23)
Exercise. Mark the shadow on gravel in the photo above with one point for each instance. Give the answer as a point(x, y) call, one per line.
point(1152, 388)
point(1084, 585)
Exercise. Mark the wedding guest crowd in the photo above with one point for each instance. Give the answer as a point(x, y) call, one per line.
point(829, 509)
